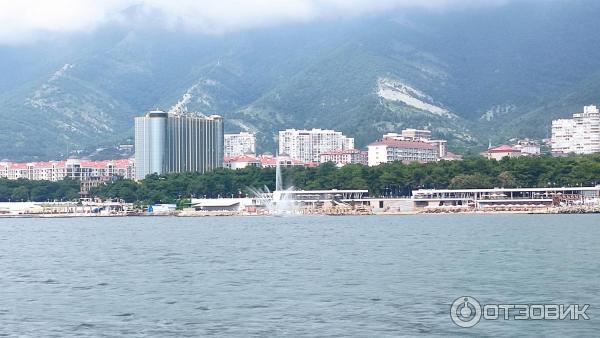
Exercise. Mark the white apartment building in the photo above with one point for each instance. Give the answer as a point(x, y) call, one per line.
point(579, 135)
point(71, 168)
point(418, 135)
point(308, 145)
point(240, 144)
point(390, 150)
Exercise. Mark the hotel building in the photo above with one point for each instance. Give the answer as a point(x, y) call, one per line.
point(71, 168)
point(418, 135)
point(308, 145)
point(343, 157)
point(390, 150)
point(579, 135)
point(171, 143)
point(240, 144)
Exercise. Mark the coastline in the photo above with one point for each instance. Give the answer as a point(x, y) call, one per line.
point(549, 211)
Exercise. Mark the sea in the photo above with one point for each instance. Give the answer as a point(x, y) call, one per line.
point(304, 276)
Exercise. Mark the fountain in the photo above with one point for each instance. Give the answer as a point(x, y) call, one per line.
point(278, 202)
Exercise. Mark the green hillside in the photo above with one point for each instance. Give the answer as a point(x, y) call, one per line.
point(469, 75)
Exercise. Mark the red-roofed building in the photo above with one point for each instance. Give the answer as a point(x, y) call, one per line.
point(239, 162)
point(390, 150)
point(270, 161)
point(72, 168)
point(499, 152)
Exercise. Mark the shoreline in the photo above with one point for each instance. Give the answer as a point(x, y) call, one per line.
point(235, 214)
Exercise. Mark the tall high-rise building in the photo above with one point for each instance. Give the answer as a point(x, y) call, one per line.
point(579, 135)
point(171, 143)
point(150, 143)
point(240, 144)
point(308, 145)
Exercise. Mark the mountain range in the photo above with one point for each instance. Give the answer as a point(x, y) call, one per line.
point(471, 75)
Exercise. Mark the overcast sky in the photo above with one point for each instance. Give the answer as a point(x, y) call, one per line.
point(24, 20)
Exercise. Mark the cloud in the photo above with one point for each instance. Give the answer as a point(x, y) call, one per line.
point(23, 20)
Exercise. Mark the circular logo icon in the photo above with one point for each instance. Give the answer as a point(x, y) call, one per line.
point(465, 311)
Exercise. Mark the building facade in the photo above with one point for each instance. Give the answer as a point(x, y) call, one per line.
point(390, 150)
point(71, 168)
point(501, 151)
point(270, 161)
point(240, 162)
point(172, 143)
point(308, 145)
point(343, 157)
point(579, 135)
point(416, 134)
point(504, 198)
point(150, 143)
point(419, 135)
point(240, 144)
point(528, 147)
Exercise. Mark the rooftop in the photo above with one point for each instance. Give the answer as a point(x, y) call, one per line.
point(403, 144)
point(120, 163)
point(342, 152)
point(503, 149)
point(242, 158)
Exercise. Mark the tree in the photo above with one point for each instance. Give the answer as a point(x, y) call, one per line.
point(20, 193)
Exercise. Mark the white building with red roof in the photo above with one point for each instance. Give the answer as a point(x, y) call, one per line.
point(239, 162)
point(270, 161)
point(71, 168)
point(499, 152)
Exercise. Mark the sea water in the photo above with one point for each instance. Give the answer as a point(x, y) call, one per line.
point(369, 276)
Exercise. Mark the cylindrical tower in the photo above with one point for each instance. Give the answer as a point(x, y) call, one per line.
point(156, 138)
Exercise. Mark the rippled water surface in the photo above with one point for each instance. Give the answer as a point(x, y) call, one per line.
point(296, 276)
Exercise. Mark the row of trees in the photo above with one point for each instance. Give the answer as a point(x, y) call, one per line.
point(26, 190)
point(393, 179)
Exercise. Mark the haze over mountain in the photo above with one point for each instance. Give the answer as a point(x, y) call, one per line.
point(469, 73)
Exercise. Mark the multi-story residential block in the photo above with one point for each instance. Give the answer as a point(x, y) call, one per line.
point(343, 157)
point(173, 142)
point(308, 145)
point(420, 136)
point(390, 150)
point(71, 168)
point(240, 144)
point(579, 135)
